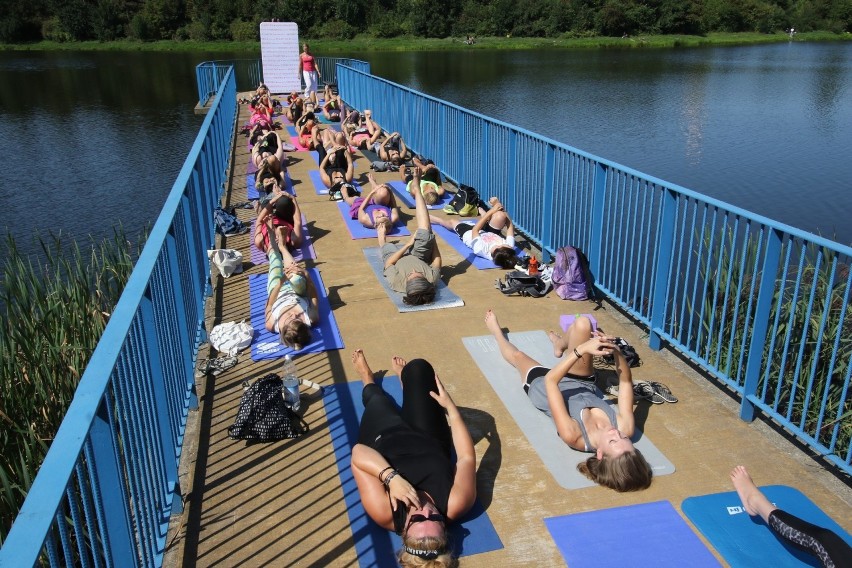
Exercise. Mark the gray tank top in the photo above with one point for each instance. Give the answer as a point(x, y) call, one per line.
point(578, 395)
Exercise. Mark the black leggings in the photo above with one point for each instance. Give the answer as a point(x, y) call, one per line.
point(823, 543)
point(420, 412)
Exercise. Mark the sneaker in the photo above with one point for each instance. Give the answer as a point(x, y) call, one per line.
point(663, 391)
point(645, 391)
point(215, 366)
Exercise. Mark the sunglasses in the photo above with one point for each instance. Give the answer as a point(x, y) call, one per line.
point(401, 513)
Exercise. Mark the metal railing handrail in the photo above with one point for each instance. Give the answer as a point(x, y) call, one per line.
point(208, 73)
point(112, 466)
point(727, 287)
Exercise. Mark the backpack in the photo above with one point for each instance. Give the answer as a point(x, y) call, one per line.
point(227, 223)
point(571, 277)
point(517, 282)
point(627, 350)
point(263, 416)
point(465, 202)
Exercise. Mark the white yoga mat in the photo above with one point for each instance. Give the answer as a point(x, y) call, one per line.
point(557, 457)
point(444, 297)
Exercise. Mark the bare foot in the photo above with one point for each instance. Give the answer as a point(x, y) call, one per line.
point(556, 340)
point(397, 363)
point(492, 324)
point(754, 502)
point(362, 367)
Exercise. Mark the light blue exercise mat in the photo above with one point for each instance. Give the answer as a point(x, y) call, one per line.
point(267, 345)
point(375, 546)
point(650, 534)
point(556, 455)
point(444, 297)
point(746, 541)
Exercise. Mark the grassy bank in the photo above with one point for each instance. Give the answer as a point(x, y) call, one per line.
point(364, 43)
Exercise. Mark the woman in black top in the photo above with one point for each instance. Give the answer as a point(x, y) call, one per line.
point(403, 462)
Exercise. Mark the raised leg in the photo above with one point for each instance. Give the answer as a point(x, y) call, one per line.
point(514, 356)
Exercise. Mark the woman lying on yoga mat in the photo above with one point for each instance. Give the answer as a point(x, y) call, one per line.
point(270, 144)
point(270, 176)
point(294, 107)
point(568, 394)
point(430, 190)
point(376, 208)
point(293, 304)
point(283, 210)
point(307, 128)
point(485, 238)
point(821, 542)
point(333, 105)
point(428, 170)
point(413, 269)
point(403, 463)
point(360, 130)
point(392, 149)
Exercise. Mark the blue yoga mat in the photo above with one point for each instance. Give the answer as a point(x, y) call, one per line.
point(253, 193)
point(374, 545)
point(266, 344)
point(316, 179)
point(747, 541)
point(359, 231)
point(398, 187)
point(650, 534)
point(455, 242)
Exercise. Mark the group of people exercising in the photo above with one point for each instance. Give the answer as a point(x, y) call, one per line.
point(415, 465)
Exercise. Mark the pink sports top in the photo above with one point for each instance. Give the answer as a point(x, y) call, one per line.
point(307, 62)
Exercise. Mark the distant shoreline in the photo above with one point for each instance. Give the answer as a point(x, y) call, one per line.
point(362, 44)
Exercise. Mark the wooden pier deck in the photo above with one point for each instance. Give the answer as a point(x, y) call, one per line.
point(282, 504)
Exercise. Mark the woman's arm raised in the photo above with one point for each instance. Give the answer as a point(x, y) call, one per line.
point(463, 492)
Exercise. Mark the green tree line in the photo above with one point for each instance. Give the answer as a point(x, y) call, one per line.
point(206, 20)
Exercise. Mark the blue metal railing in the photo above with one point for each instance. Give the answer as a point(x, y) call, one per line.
point(249, 73)
point(107, 487)
point(762, 306)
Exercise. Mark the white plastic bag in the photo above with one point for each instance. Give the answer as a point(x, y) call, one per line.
point(228, 261)
point(231, 337)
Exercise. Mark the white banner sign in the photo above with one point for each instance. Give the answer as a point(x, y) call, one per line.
point(279, 52)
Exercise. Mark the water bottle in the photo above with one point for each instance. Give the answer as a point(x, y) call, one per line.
point(533, 267)
point(290, 384)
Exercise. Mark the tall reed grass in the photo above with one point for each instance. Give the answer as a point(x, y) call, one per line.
point(51, 318)
point(806, 360)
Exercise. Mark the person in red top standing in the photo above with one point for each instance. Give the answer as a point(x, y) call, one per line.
point(310, 72)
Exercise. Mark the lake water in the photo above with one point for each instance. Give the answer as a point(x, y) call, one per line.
point(91, 140)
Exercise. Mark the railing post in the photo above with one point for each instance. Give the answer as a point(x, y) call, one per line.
point(485, 165)
point(760, 324)
point(511, 184)
point(109, 487)
point(462, 147)
point(547, 201)
point(665, 245)
point(597, 217)
point(164, 428)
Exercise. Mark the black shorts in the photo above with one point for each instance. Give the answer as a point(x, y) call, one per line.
point(463, 228)
point(539, 371)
